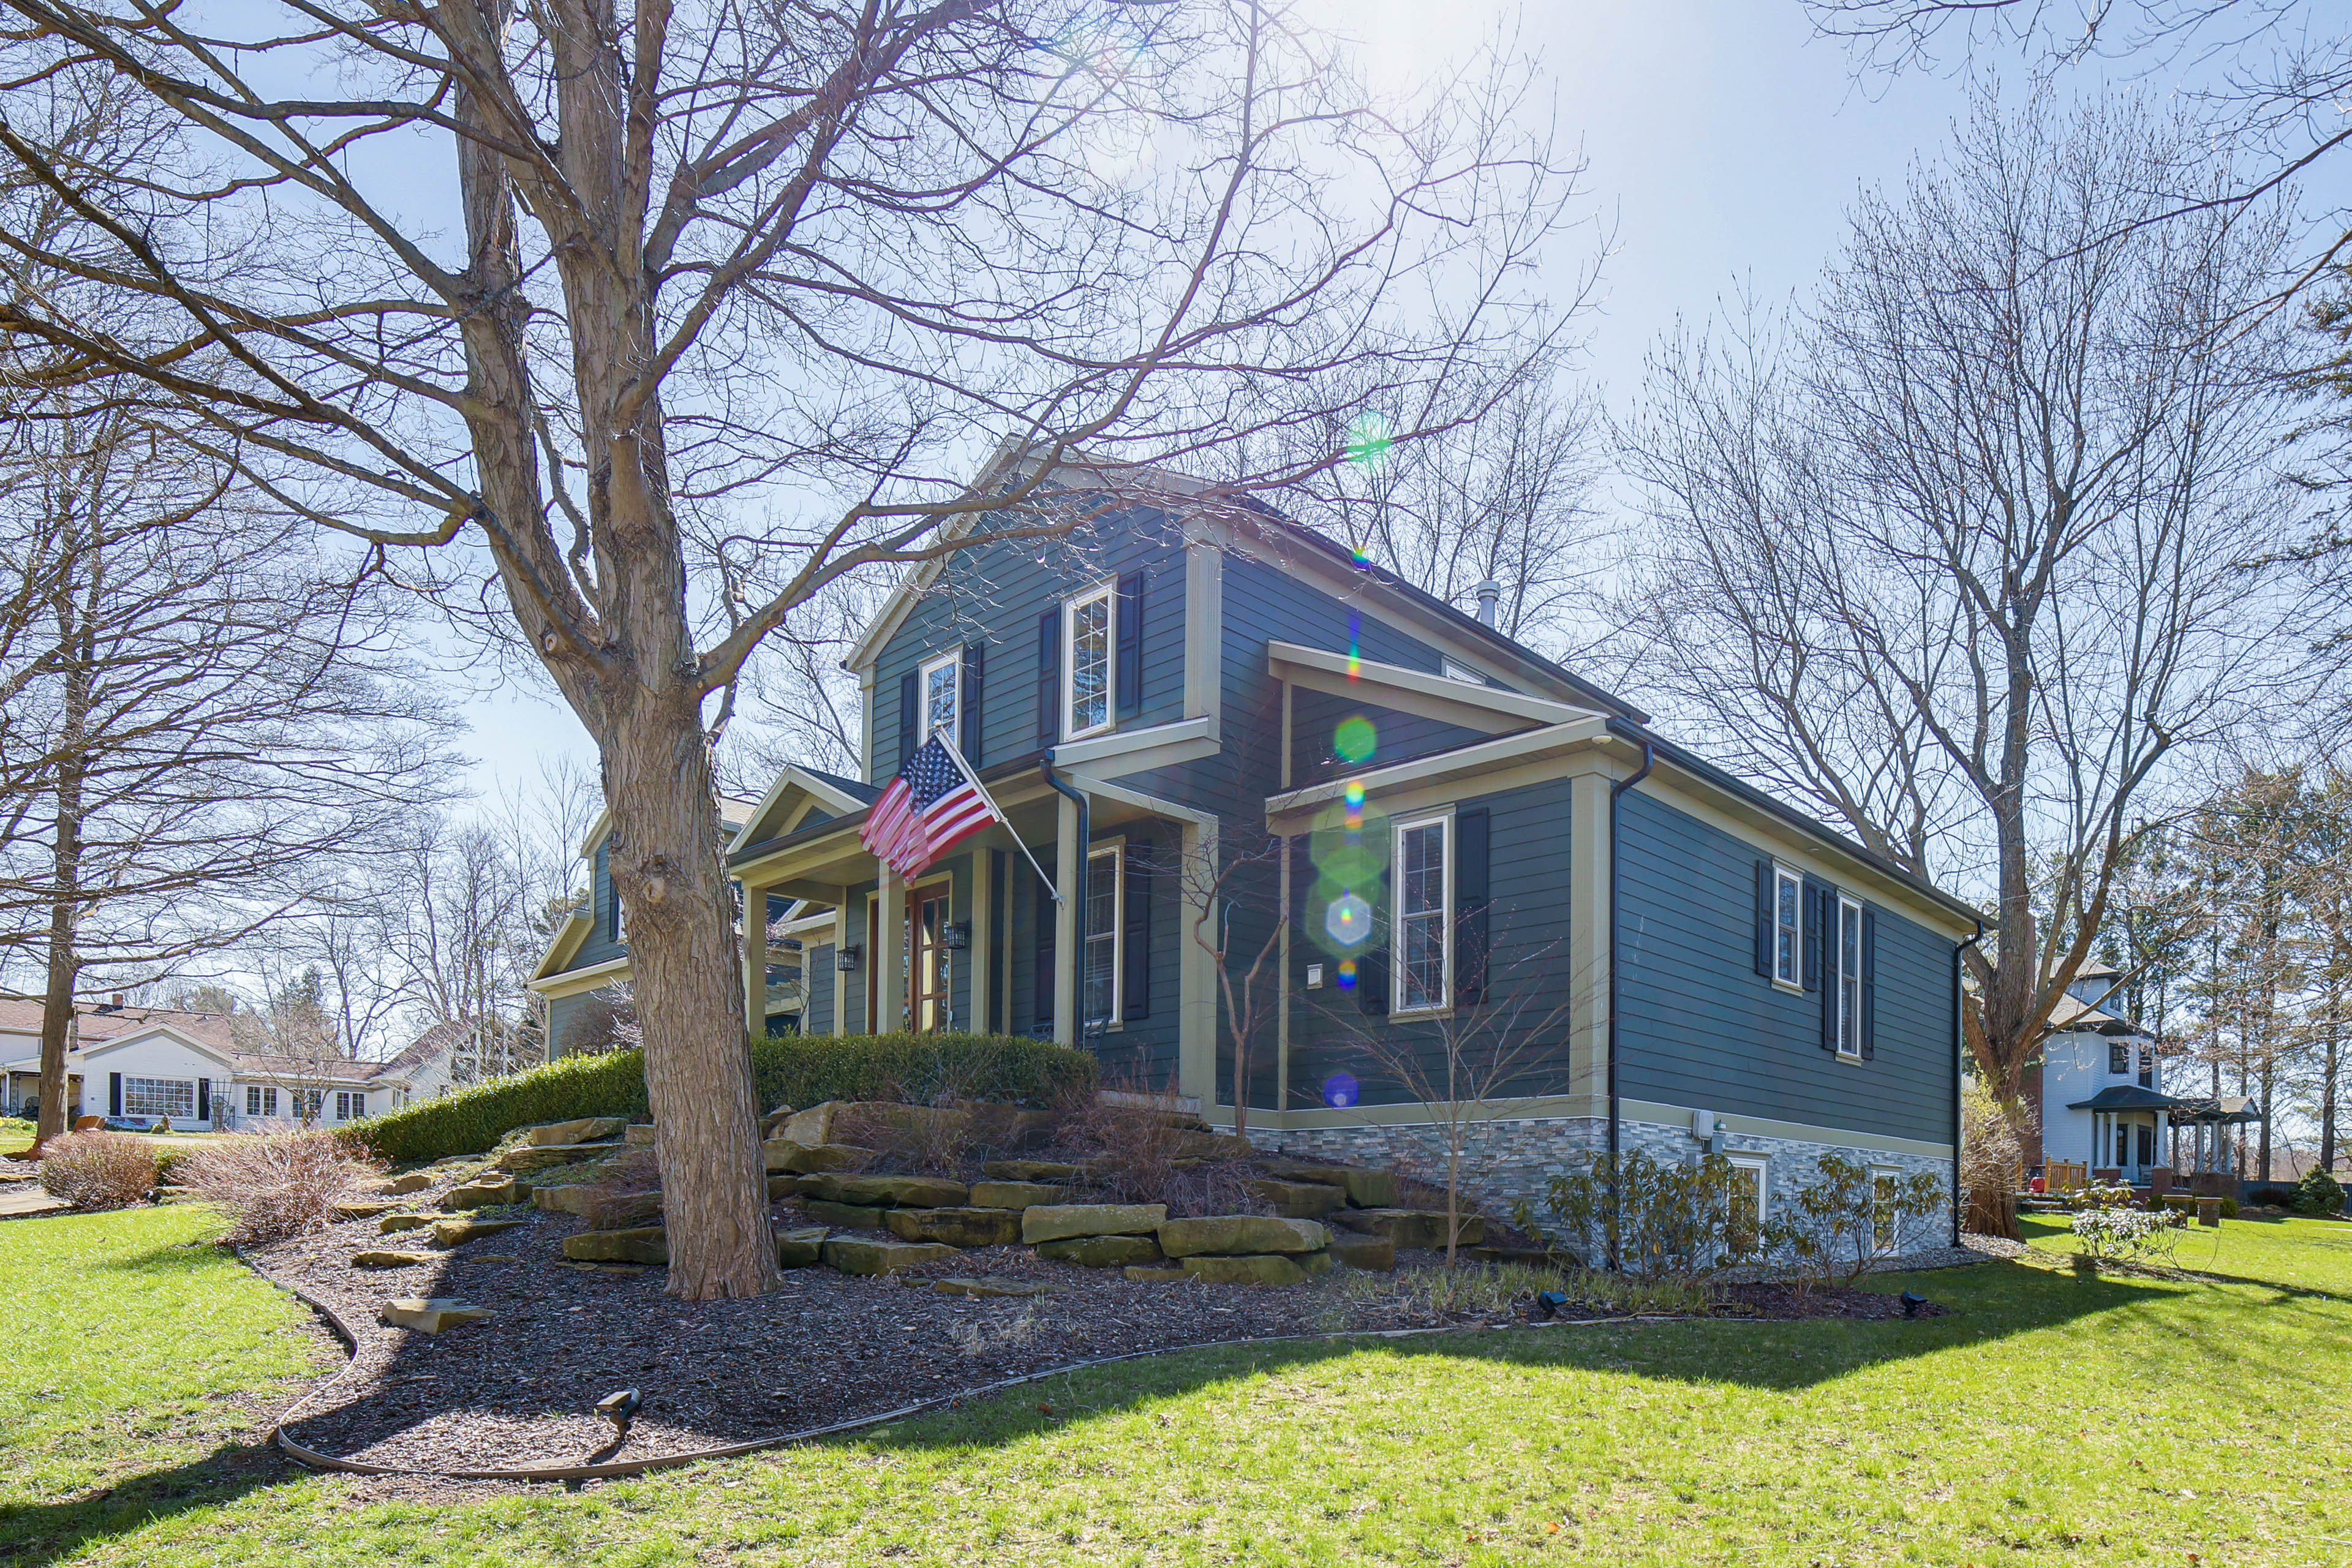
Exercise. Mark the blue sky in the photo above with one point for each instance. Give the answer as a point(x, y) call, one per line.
point(1724, 141)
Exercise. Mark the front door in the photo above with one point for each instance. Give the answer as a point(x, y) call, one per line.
point(927, 919)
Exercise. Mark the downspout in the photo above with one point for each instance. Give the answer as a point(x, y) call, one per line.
point(1072, 993)
point(1616, 1101)
point(1959, 1007)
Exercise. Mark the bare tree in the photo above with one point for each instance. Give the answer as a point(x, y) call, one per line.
point(1227, 885)
point(728, 300)
point(1960, 561)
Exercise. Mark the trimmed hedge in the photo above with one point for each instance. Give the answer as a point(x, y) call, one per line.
point(787, 1070)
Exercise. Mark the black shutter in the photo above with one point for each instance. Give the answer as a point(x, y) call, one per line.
point(114, 1094)
point(911, 702)
point(203, 1099)
point(968, 720)
point(1372, 964)
point(1825, 901)
point(1765, 936)
point(1809, 904)
point(1049, 678)
point(1472, 930)
point(1866, 1025)
point(1041, 985)
point(1135, 941)
point(1128, 675)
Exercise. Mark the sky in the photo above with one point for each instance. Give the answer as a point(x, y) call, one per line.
point(1725, 144)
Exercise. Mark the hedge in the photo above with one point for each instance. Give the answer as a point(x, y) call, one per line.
point(786, 1069)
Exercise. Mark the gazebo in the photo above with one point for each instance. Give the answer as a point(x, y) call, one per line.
point(2209, 1164)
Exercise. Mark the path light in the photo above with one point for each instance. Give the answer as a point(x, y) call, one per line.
point(1550, 1302)
point(620, 1409)
point(1912, 1302)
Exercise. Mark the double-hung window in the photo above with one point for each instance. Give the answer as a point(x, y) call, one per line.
point(2119, 1056)
point(1423, 942)
point(1788, 929)
point(1089, 635)
point(1750, 1198)
point(1849, 979)
point(941, 682)
point(350, 1107)
point(259, 1102)
point(1104, 913)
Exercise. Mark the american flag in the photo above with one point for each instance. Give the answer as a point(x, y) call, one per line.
point(930, 807)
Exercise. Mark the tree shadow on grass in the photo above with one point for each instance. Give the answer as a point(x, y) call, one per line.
point(35, 1533)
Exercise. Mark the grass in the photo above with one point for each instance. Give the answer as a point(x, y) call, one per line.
point(15, 1135)
point(2052, 1419)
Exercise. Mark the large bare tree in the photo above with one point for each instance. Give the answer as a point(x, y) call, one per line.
point(701, 307)
point(1960, 556)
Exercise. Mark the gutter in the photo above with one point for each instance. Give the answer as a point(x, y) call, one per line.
point(1616, 1101)
point(1960, 1007)
point(1071, 997)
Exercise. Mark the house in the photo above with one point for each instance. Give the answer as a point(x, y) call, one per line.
point(154, 1064)
point(585, 971)
point(1461, 833)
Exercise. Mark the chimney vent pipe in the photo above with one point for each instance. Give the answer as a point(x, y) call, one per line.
point(1490, 597)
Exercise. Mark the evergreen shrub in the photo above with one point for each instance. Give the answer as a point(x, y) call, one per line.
point(2318, 1193)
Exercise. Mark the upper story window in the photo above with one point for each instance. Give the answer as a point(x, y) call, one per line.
point(1849, 979)
point(1422, 940)
point(1088, 633)
point(2146, 1068)
point(2119, 1056)
point(1788, 929)
point(940, 689)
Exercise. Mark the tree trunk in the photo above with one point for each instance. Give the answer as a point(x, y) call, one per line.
point(64, 883)
point(665, 859)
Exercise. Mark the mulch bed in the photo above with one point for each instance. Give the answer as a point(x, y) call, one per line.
point(518, 1389)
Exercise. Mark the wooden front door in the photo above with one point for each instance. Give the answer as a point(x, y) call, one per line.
point(927, 919)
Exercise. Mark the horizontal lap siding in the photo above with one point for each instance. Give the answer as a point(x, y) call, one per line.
point(1698, 1027)
point(1315, 719)
point(818, 979)
point(1532, 981)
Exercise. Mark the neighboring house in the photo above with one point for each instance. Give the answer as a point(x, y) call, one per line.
point(154, 1064)
point(587, 959)
point(1436, 794)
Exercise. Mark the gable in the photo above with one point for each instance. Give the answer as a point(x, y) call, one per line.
point(154, 1035)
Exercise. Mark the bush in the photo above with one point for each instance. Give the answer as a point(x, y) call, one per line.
point(2318, 1193)
point(1671, 1222)
point(791, 1069)
point(96, 1170)
point(1845, 1221)
point(282, 1185)
point(2270, 1197)
point(2108, 1225)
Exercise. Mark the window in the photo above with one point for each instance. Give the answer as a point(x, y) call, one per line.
point(1087, 644)
point(350, 1107)
point(2147, 1067)
point(1883, 1183)
point(1788, 929)
point(1849, 979)
point(159, 1097)
point(1104, 914)
point(307, 1102)
point(1424, 955)
point(1750, 1198)
point(260, 1101)
point(2119, 1056)
point(941, 684)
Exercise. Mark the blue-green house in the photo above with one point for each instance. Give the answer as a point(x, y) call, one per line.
point(1208, 726)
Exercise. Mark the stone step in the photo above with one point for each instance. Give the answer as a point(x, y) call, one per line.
point(1240, 1235)
point(1053, 1222)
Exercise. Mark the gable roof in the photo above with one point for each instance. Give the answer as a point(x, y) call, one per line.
point(838, 795)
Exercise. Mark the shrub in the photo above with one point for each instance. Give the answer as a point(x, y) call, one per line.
point(1136, 1154)
point(282, 1185)
point(2318, 1193)
point(2270, 1197)
point(1850, 1217)
point(1991, 1156)
point(98, 1170)
point(791, 1069)
point(2107, 1227)
point(1659, 1221)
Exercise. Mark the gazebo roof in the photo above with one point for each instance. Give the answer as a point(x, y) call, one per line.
point(2226, 1110)
point(2127, 1097)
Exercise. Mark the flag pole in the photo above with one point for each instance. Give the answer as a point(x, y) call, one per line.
point(942, 736)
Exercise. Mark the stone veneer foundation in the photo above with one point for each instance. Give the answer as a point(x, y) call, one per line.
point(1516, 1158)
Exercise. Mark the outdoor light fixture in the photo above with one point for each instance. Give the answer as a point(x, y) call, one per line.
point(1912, 1302)
point(621, 1408)
point(956, 935)
point(847, 958)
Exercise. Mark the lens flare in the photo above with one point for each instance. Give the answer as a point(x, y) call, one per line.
point(1355, 649)
point(1348, 921)
point(1355, 741)
point(1347, 975)
point(1340, 1091)
point(1369, 439)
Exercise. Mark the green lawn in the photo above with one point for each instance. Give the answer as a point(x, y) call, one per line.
point(2054, 1418)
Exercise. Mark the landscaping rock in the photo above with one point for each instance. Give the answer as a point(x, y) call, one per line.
point(990, 1287)
point(886, 1192)
point(482, 1194)
point(625, 1211)
point(956, 1227)
point(573, 1199)
point(785, 1187)
point(1366, 1187)
point(846, 1216)
point(639, 1135)
point(365, 1208)
point(801, 1248)
point(541, 1156)
point(1298, 1200)
point(1374, 1252)
point(429, 1314)
point(1241, 1234)
point(647, 1244)
point(1031, 1171)
point(1016, 1194)
point(1051, 1221)
point(1100, 1251)
point(399, 1222)
point(1410, 1228)
point(1263, 1270)
point(587, 1130)
point(852, 1255)
point(386, 1259)
point(1315, 1262)
point(1146, 1274)
point(799, 1159)
point(771, 1125)
point(457, 1232)
point(415, 1181)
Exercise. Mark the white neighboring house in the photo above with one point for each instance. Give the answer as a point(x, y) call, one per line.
point(152, 1064)
point(2104, 1103)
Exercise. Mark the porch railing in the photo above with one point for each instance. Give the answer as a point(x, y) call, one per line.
point(2065, 1175)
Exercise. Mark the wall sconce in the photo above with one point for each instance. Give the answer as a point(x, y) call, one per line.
point(956, 935)
point(847, 958)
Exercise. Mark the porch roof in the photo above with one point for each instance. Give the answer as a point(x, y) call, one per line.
point(2127, 1097)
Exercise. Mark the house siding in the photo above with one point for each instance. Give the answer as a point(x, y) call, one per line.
point(1315, 721)
point(1698, 1027)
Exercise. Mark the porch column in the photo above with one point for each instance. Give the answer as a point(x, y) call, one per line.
point(755, 960)
point(1196, 1018)
point(889, 957)
point(983, 928)
point(843, 979)
point(1069, 880)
